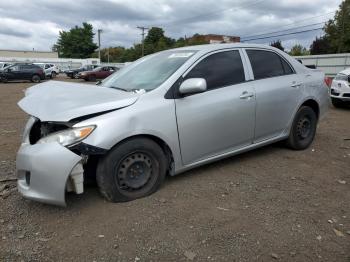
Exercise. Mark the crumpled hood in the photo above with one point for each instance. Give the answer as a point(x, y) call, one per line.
point(62, 101)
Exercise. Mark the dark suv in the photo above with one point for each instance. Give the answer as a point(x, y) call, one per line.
point(30, 72)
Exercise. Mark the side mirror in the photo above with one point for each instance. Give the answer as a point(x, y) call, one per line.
point(8, 70)
point(193, 86)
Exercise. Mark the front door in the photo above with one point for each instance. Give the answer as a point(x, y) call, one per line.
point(222, 118)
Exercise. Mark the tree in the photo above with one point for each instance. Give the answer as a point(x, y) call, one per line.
point(277, 44)
point(320, 46)
point(337, 30)
point(76, 43)
point(298, 50)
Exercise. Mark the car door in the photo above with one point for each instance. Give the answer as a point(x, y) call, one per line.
point(13, 73)
point(222, 118)
point(278, 92)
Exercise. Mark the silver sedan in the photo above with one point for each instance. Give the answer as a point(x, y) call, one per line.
point(162, 115)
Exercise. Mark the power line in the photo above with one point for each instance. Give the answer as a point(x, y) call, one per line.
point(280, 31)
point(297, 22)
point(292, 33)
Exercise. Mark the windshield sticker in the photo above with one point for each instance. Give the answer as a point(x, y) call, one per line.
point(180, 55)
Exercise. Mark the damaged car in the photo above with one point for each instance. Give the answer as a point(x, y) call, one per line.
point(162, 115)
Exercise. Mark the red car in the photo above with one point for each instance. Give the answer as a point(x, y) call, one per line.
point(100, 72)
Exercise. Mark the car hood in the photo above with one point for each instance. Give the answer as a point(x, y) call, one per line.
point(63, 101)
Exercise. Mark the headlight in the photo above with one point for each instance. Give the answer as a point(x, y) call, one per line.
point(68, 137)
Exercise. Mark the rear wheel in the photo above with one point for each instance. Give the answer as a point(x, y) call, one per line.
point(3, 79)
point(338, 103)
point(303, 129)
point(134, 169)
point(76, 76)
point(36, 79)
point(53, 74)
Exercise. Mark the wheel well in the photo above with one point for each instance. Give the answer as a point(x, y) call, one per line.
point(162, 144)
point(314, 106)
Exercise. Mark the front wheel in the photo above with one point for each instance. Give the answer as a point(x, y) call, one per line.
point(134, 169)
point(303, 129)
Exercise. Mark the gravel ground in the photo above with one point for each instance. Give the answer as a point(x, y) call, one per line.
point(271, 204)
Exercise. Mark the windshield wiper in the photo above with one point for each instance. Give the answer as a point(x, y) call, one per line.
point(119, 88)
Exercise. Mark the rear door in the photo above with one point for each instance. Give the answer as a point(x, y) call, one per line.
point(222, 118)
point(278, 92)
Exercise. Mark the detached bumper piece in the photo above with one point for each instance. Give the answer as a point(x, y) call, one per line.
point(45, 171)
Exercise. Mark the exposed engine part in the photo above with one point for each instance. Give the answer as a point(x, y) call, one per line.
point(76, 179)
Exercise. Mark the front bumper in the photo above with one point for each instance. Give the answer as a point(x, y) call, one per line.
point(341, 92)
point(43, 171)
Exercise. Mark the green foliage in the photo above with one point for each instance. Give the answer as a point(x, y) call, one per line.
point(337, 33)
point(76, 43)
point(155, 41)
point(320, 46)
point(277, 44)
point(338, 29)
point(298, 50)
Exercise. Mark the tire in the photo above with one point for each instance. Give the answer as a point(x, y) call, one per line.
point(92, 78)
point(134, 169)
point(53, 74)
point(75, 76)
point(35, 79)
point(303, 129)
point(3, 80)
point(338, 103)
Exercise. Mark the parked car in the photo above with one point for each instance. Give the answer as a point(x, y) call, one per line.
point(100, 72)
point(51, 70)
point(164, 114)
point(30, 72)
point(73, 73)
point(340, 89)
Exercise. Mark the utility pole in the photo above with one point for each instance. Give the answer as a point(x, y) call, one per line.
point(99, 31)
point(143, 38)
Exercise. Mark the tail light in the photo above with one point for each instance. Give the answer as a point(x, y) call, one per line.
point(328, 81)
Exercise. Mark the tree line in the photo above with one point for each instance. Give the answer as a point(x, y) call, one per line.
point(78, 41)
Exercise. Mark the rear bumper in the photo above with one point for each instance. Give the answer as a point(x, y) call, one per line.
point(43, 171)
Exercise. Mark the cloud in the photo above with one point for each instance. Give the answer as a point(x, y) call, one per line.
point(36, 23)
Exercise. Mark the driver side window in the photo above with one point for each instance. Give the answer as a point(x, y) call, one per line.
point(219, 69)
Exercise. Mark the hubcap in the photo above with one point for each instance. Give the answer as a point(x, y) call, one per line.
point(304, 128)
point(135, 171)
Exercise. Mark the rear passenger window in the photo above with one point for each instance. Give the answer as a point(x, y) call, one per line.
point(219, 70)
point(267, 64)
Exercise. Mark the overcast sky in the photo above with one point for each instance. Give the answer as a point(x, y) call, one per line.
point(25, 25)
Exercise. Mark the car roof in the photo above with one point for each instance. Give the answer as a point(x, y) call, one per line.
point(213, 47)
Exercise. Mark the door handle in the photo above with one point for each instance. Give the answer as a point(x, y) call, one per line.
point(295, 85)
point(246, 95)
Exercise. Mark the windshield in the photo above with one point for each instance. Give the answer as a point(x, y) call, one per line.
point(97, 68)
point(149, 72)
point(341, 77)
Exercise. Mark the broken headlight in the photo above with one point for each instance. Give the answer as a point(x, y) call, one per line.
point(68, 137)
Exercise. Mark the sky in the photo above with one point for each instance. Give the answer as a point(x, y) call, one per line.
point(35, 24)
